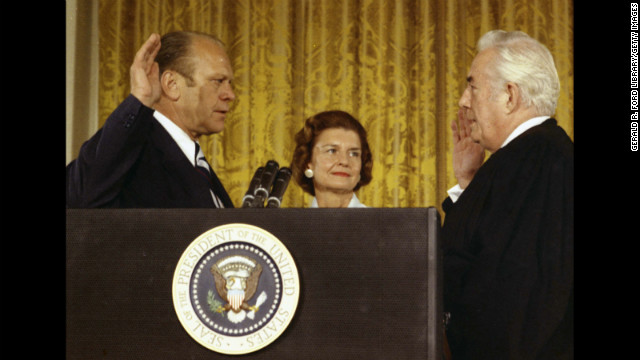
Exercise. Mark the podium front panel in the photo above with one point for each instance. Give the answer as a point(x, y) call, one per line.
point(370, 282)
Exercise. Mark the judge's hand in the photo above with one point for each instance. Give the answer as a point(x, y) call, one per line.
point(144, 77)
point(467, 155)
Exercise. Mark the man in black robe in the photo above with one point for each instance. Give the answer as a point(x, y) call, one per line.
point(508, 229)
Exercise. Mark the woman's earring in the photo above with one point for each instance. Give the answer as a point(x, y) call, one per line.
point(308, 173)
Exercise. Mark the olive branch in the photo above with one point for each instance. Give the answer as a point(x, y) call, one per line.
point(214, 304)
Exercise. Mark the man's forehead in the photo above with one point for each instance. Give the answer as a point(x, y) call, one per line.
point(214, 58)
point(208, 48)
point(478, 67)
point(481, 60)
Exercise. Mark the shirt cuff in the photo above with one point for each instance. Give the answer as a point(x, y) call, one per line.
point(455, 192)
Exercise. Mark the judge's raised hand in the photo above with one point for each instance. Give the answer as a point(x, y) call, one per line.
point(144, 77)
point(467, 155)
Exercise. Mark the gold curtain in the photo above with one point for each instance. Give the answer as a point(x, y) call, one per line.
point(399, 66)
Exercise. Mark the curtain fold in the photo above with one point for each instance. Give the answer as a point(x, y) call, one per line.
point(399, 66)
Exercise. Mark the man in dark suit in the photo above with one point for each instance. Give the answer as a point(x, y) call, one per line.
point(147, 153)
point(508, 229)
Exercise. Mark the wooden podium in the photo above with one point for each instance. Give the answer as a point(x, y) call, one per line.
point(371, 282)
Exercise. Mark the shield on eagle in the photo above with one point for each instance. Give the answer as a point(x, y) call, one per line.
point(236, 279)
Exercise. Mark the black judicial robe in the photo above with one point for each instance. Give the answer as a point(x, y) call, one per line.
point(508, 253)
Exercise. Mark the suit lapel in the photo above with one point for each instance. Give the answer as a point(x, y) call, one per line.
point(183, 172)
point(219, 189)
point(179, 169)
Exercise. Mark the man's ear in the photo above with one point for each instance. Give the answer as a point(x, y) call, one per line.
point(514, 97)
point(170, 87)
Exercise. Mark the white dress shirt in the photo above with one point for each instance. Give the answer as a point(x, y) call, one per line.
point(184, 141)
point(354, 203)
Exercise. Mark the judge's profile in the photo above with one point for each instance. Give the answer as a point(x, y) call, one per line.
point(332, 159)
point(508, 229)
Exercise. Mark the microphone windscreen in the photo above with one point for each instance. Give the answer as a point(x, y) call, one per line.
point(255, 181)
point(268, 176)
point(247, 200)
point(279, 187)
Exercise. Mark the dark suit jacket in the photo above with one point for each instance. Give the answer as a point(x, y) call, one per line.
point(133, 162)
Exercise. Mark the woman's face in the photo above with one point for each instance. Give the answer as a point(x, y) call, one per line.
point(336, 160)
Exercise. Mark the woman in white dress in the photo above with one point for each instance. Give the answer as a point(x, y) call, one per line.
point(332, 159)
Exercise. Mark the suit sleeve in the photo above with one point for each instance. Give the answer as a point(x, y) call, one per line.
point(96, 176)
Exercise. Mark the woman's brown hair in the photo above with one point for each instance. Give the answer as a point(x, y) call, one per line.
point(306, 137)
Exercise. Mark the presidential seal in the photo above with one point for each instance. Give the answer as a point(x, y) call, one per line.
point(235, 289)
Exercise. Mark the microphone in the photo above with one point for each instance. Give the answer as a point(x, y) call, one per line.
point(262, 191)
point(279, 187)
point(247, 200)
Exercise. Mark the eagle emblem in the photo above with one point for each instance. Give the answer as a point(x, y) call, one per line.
point(236, 278)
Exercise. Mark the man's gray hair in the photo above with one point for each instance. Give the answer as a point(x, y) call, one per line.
point(526, 62)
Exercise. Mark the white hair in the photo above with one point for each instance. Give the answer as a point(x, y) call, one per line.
point(526, 62)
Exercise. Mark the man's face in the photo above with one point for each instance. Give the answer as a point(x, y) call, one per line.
point(482, 107)
point(205, 102)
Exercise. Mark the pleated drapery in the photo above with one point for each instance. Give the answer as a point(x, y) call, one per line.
point(399, 66)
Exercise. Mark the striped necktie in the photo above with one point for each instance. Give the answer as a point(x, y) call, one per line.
point(202, 166)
